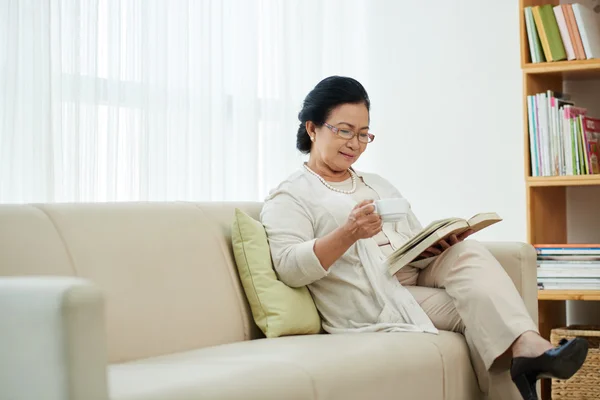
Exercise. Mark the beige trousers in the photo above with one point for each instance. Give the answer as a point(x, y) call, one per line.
point(466, 290)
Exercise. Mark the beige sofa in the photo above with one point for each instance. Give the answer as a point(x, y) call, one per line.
point(141, 301)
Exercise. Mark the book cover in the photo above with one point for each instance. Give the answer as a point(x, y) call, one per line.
point(567, 245)
point(584, 146)
point(535, 46)
point(572, 115)
point(541, 32)
point(559, 102)
point(574, 31)
point(543, 132)
point(567, 249)
point(566, 132)
point(591, 128)
point(559, 14)
point(580, 146)
point(432, 234)
point(589, 29)
point(532, 136)
point(539, 142)
point(554, 49)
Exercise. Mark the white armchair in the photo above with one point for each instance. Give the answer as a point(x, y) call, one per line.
point(52, 340)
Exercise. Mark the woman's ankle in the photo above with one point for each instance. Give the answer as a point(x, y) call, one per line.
point(530, 344)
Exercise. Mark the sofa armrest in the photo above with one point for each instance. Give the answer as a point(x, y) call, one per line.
point(52, 340)
point(519, 261)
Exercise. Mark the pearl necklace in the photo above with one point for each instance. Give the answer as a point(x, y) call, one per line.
point(324, 182)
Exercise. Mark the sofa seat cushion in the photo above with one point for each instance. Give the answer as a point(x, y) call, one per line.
point(193, 376)
point(346, 366)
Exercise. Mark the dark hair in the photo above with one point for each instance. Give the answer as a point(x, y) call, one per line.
point(328, 94)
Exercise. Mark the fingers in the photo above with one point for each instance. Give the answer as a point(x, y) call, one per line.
point(366, 223)
point(373, 218)
point(375, 224)
point(452, 239)
point(433, 250)
point(367, 209)
point(427, 254)
point(465, 234)
point(443, 244)
point(363, 203)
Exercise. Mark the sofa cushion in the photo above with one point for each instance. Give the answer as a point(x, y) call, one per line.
point(30, 243)
point(162, 270)
point(345, 366)
point(278, 309)
point(220, 215)
point(192, 376)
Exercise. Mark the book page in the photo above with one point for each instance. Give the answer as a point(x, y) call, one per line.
point(433, 233)
point(483, 220)
point(428, 230)
point(398, 260)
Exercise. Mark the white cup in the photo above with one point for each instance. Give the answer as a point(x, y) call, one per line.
point(391, 210)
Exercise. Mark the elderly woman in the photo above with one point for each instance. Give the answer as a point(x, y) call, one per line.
point(324, 234)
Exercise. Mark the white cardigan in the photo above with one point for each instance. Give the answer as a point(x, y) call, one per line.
point(356, 294)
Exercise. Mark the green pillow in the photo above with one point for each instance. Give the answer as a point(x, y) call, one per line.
point(278, 309)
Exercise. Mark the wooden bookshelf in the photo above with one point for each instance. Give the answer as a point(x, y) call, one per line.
point(577, 69)
point(576, 180)
point(585, 295)
point(547, 196)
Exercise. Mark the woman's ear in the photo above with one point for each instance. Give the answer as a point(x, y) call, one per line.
point(311, 130)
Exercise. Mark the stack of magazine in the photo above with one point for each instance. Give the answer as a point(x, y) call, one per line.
point(568, 266)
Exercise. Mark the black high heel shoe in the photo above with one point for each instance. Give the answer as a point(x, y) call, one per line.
point(561, 362)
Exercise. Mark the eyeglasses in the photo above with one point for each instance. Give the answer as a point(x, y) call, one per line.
point(363, 137)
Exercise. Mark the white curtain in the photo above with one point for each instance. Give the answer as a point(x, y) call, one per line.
point(125, 100)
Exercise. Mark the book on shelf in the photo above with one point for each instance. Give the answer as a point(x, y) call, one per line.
point(563, 139)
point(533, 38)
point(433, 233)
point(562, 32)
point(567, 271)
point(547, 27)
point(558, 258)
point(564, 249)
point(564, 284)
point(565, 34)
point(568, 266)
point(574, 33)
point(589, 28)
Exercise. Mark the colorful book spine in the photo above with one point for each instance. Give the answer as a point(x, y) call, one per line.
point(532, 137)
point(533, 38)
point(574, 31)
point(562, 32)
point(559, 14)
point(591, 129)
point(563, 139)
point(589, 29)
point(554, 49)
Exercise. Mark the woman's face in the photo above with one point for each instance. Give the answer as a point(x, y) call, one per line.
point(332, 149)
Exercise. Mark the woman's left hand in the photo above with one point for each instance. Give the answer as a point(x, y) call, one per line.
point(442, 245)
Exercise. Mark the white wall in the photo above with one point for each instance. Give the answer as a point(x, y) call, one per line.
point(445, 85)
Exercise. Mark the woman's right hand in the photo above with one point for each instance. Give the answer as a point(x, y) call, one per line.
point(363, 222)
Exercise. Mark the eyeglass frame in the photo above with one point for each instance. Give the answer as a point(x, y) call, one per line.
point(336, 130)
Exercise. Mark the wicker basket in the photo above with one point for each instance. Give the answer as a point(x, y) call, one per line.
point(585, 384)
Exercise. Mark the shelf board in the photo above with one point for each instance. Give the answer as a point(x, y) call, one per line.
point(588, 295)
point(569, 69)
point(571, 180)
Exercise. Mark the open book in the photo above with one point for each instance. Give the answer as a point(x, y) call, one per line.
point(433, 233)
